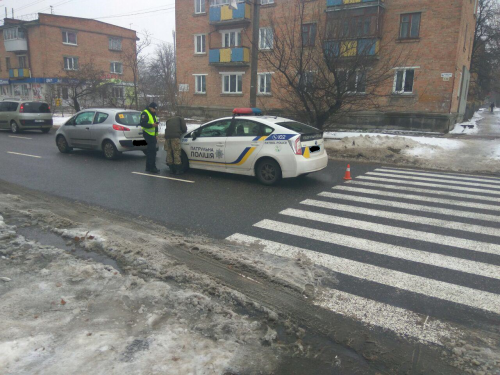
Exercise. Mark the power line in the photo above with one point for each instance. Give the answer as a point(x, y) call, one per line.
point(29, 5)
point(135, 14)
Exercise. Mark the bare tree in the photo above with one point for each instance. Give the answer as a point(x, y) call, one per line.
point(328, 64)
point(161, 75)
point(135, 59)
point(83, 82)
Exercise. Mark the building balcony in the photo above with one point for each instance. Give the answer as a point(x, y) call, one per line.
point(352, 48)
point(16, 45)
point(237, 56)
point(339, 4)
point(224, 15)
point(19, 73)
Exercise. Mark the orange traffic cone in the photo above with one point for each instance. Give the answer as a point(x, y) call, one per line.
point(348, 173)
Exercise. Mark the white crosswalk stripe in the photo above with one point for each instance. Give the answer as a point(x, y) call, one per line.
point(439, 186)
point(370, 188)
point(419, 178)
point(454, 178)
point(406, 217)
point(328, 230)
point(486, 178)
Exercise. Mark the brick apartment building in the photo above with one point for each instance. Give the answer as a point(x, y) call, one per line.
point(35, 56)
point(429, 92)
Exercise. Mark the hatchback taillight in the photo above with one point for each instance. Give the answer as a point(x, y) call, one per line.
point(121, 128)
point(21, 108)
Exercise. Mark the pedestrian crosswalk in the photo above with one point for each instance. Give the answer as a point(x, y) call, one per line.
point(406, 245)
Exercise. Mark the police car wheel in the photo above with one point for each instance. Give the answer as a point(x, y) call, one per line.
point(268, 172)
point(185, 162)
point(62, 144)
point(109, 150)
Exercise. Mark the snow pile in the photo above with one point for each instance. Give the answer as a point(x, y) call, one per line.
point(468, 127)
point(60, 120)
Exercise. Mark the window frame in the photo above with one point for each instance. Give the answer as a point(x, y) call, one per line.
point(115, 89)
point(410, 25)
point(73, 59)
point(201, 5)
point(67, 32)
point(203, 44)
point(112, 39)
point(310, 27)
point(267, 83)
point(25, 64)
point(266, 2)
point(199, 132)
point(8, 65)
point(239, 81)
point(265, 38)
point(403, 81)
point(114, 64)
point(196, 84)
point(237, 38)
point(97, 116)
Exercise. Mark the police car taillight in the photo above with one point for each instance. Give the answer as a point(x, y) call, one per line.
point(296, 145)
point(120, 128)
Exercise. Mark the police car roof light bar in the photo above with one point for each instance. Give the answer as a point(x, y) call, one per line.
point(247, 112)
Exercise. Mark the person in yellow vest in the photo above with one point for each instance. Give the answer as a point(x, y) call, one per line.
point(149, 124)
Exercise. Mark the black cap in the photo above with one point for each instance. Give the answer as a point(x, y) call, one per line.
point(153, 105)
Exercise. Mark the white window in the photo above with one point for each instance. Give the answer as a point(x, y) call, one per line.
point(403, 81)
point(115, 44)
point(265, 2)
point(13, 33)
point(217, 3)
point(118, 92)
point(200, 43)
point(200, 86)
point(71, 63)
point(354, 82)
point(69, 37)
point(232, 83)
point(266, 38)
point(199, 6)
point(265, 83)
point(231, 38)
point(116, 67)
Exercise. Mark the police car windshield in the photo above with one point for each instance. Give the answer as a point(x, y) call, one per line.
point(298, 127)
point(128, 118)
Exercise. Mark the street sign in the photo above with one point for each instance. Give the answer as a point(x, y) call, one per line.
point(446, 76)
point(58, 102)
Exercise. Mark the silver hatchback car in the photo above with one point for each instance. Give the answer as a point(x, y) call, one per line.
point(111, 131)
point(19, 115)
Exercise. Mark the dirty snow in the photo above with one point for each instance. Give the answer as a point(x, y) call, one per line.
point(465, 127)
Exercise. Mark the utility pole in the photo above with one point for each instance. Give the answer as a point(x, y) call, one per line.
point(255, 53)
point(51, 9)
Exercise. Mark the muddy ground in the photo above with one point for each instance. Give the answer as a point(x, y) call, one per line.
point(84, 290)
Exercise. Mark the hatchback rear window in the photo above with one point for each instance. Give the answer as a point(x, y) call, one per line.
point(298, 127)
point(36, 107)
point(128, 118)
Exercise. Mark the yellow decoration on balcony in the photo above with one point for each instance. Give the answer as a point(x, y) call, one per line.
point(226, 13)
point(225, 55)
point(351, 1)
point(247, 11)
point(26, 72)
point(349, 48)
point(16, 73)
point(246, 55)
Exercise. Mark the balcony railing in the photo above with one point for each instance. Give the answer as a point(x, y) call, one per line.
point(338, 3)
point(229, 56)
point(351, 48)
point(19, 73)
point(226, 15)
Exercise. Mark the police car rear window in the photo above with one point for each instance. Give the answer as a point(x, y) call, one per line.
point(298, 127)
point(128, 118)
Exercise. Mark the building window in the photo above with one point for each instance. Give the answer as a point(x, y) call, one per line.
point(306, 81)
point(308, 34)
point(7, 63)
point(13, 33)
point(265, 2)
point(410, 26)
point(403, 81)
point(23, 62)
point(118, 92)
point(65, 93)
point(265, 83)
point(217, 3)
point(353, 82)
point(266, 38)
point(232, 83)
point(115, 44)
point(71, 63)
point(69, 37)
point(231, 38)
point(200, 43)
point(200, 86)
point(116, 67)
point(199, 6)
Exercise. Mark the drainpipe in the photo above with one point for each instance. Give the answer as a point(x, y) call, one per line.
point(255, 53)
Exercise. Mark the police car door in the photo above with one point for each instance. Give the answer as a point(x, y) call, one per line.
point(206, 148)
point(244, 144)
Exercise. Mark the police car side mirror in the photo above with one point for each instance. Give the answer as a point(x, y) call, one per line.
point(194, 135)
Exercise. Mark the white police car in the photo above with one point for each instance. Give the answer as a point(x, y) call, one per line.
point(267, 147)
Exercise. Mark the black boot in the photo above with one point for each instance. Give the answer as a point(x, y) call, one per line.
point(154, 170)
point(178, 170)
point(171, 169)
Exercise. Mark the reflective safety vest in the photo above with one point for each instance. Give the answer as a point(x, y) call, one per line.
point(151, 121)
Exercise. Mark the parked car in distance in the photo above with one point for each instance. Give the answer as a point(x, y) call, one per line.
point(111, 131)
point(19, 115)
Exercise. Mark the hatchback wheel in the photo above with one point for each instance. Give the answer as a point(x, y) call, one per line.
point(109, 150)
point(14, 128)
point(268, 172)
point(62, 144)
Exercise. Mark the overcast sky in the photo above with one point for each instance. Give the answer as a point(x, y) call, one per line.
point(155, 16)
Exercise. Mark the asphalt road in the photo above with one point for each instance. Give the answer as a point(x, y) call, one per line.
point(216, 204)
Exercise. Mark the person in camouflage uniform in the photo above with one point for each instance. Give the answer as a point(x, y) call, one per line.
point(176, 126)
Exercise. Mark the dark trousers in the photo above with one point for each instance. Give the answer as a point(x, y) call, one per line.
point(150, 151)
